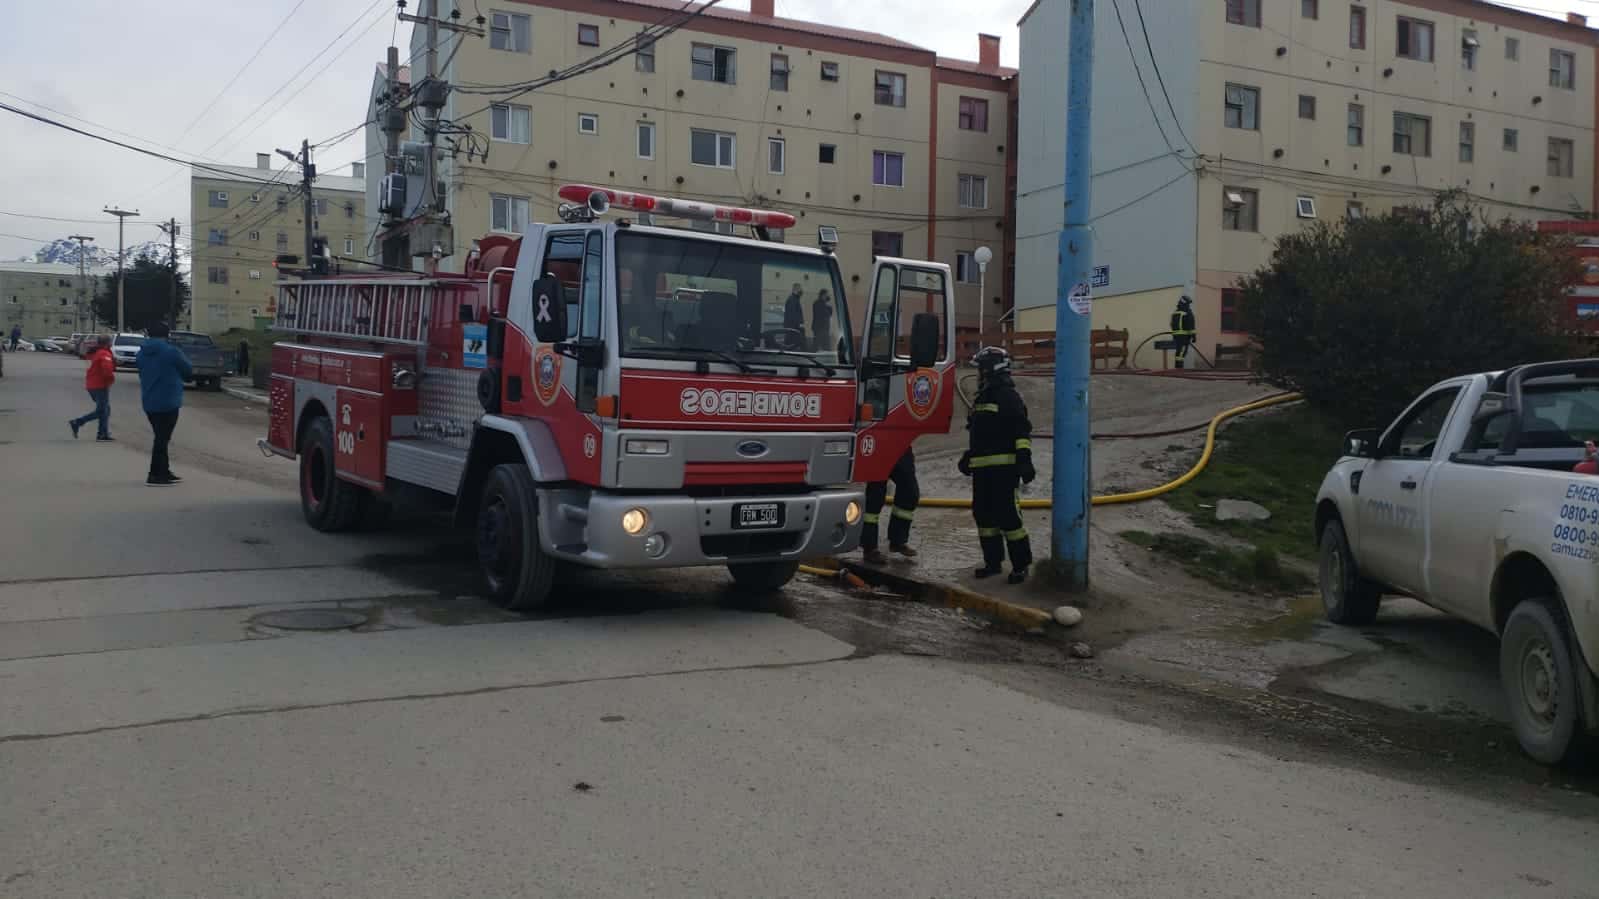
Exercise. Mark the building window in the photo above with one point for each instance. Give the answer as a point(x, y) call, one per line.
point(1468, 49)
point(826, 154)
point(644, 56)
point(1468, 141)
point(255, 236)
point(888, 169)
point(509, 31)
point(1357, 27)
point(1512, 48)
point(1512, 140)
point(713, 63)
point(321, 207)
point(973, 191)
point(1229, 310)
point(776, 155)
point(829, 71)
point(779, 72)
point(1357, 125)
point(973, 114)
point(965, 267)
point(349, 210)
point(1244, 12)
point(1354, 209)
point(1240, 209)
point(1305, 207)
point(218, 237)
point(1412, 134)
point(219, 199)
point(1310, 9)
point(1307, 106)
point(1562, 69)
point(1243, 107)
point(283, 202)
point(712, 148)
point(588, 35)
point(283, 241)
point(508, 213)
point(890, 89)
point(509, 123)
point(588, 123)
point(254, 199)
point(1414, 40)
point(349, 246)
point(216, 274)
point(646, 140)
point(255, 274)
point(1562, 152)
point(888, 243)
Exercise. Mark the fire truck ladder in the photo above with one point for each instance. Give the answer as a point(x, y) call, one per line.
point(380, 310)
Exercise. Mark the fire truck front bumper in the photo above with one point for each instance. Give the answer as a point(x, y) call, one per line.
point(607, 530)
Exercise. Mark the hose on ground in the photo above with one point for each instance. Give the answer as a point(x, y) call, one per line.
point(1097, 435)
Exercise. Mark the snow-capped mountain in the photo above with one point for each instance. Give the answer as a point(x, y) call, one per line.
point(65, 250)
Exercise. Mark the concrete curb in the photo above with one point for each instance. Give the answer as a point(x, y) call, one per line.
point(252, 396)
point(952, 596)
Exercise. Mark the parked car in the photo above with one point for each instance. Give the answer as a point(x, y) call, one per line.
point(1471, 502)
point(59, 344)
point(125, 349)
point(24, 345)
point(45, 345)
point(207, 359)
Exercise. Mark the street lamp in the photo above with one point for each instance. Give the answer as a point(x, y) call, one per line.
point(982, 257)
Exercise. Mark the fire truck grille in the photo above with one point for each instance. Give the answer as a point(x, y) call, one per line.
point(733, 546)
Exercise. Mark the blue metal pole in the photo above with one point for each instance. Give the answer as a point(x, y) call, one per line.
point(1072, 499)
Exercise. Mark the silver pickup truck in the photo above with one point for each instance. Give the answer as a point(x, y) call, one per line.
point(1470, 503)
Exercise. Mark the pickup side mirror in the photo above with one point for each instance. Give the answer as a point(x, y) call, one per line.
point(1362, 444)
point(924, 339)
point(549, 310)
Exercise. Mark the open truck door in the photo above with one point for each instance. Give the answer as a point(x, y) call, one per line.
point(907, 374)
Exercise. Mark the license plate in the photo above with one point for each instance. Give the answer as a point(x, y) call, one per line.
point(757, 515)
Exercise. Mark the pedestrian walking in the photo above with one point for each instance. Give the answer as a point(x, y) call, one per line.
point(822, 321)
point(97, 380)
point(907, 494)
point(243, 362)
point(162, 370)
point(1182, 328)
point(1001, 454)
point(16, 335)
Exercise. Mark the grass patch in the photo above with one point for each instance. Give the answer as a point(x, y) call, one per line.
point(1276, 460)
point(1256, 570)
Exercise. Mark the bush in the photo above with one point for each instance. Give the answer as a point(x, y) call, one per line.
point(1360, 316)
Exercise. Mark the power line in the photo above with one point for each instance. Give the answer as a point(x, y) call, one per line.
point(1139, 8)
point(231, 81)
point(1139, 71)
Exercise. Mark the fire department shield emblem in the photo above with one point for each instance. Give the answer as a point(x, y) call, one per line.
point(547, 375)
point(922, 388)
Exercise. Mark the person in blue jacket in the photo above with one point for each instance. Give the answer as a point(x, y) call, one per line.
point(162, 370)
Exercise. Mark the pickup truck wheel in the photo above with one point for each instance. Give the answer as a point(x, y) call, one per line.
point(328, 503)
point(1540, 680)
point(213, 384)
point(763, 577)
point(1347, 597)
point(515, 568)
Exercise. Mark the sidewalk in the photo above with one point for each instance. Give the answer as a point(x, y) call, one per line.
point(241, 388)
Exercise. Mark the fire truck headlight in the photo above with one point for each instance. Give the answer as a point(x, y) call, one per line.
point(647, 447)
point(634, 521)
point(836, 448)
point(852, 512)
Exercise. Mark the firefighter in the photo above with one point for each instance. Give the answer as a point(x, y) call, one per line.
point(1001, 454)
point(907, 493)
point(1182, 328)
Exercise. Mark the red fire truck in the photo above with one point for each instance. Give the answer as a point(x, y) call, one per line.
point(613, 393)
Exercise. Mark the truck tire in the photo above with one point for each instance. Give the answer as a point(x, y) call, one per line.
point(1346, 597)
point(1539, 674)
point(762, 577)
point(328, 503)
point(516, 570)
point(213, 384)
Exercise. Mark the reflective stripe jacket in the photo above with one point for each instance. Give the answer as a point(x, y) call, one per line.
point(1182, 323)
point(998, 425)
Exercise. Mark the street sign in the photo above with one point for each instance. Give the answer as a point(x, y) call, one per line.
point(1101, 276)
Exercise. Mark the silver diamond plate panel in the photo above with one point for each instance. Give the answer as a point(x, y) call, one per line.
point(447, 406)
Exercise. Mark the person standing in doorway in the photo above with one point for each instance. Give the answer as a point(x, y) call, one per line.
point(822, 321)
point(794, 310)
point(1182, 329)
point(97, 380)
point(162, 370)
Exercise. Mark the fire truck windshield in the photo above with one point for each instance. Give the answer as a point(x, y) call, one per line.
point(693, 298)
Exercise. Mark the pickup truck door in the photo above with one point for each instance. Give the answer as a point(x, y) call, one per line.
point(906, 401)
point(1391, 536)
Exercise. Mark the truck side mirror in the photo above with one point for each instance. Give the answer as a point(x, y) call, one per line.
point(924, 339)
point(549, 310)
point(1362, 444)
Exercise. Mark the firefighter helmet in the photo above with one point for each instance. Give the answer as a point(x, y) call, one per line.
point(991, 360)
point(1185, 303)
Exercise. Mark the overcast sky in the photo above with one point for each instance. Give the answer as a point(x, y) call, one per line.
point(113, 66)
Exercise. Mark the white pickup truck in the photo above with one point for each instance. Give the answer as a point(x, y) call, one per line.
point(1469, 503)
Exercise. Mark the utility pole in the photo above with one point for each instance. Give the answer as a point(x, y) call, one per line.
point(435, 236)
point(394, 250)
point(1075, 259)
point(122, 217)
point(83, 281)
point(170, 228)
point(307, 175)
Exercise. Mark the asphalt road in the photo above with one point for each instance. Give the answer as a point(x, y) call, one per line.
point(159, 738)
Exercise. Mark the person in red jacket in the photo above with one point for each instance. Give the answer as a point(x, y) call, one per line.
point(101, 374)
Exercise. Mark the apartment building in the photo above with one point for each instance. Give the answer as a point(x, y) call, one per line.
point(905, 152)
point(1277, 113)
point(47, 298)
point(241, 224)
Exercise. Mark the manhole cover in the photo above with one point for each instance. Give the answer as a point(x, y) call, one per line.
point(312, 619)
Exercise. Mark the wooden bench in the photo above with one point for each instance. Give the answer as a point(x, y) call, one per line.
point(1232, 358)
point(1103, 345)
point(1030, 347)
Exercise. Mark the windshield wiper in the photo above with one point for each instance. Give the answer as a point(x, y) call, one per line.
point(810, 361)
point(722, 355)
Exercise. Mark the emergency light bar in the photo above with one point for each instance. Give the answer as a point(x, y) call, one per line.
point(687, 209)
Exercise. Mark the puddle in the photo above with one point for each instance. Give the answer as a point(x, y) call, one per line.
point(1298, 623)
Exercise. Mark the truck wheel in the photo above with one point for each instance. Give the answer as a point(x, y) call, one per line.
point(1540, 680)
point(1347, 597)
point(329, 504)
point(515, 567)
point(763, 577)
point(213, 384)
